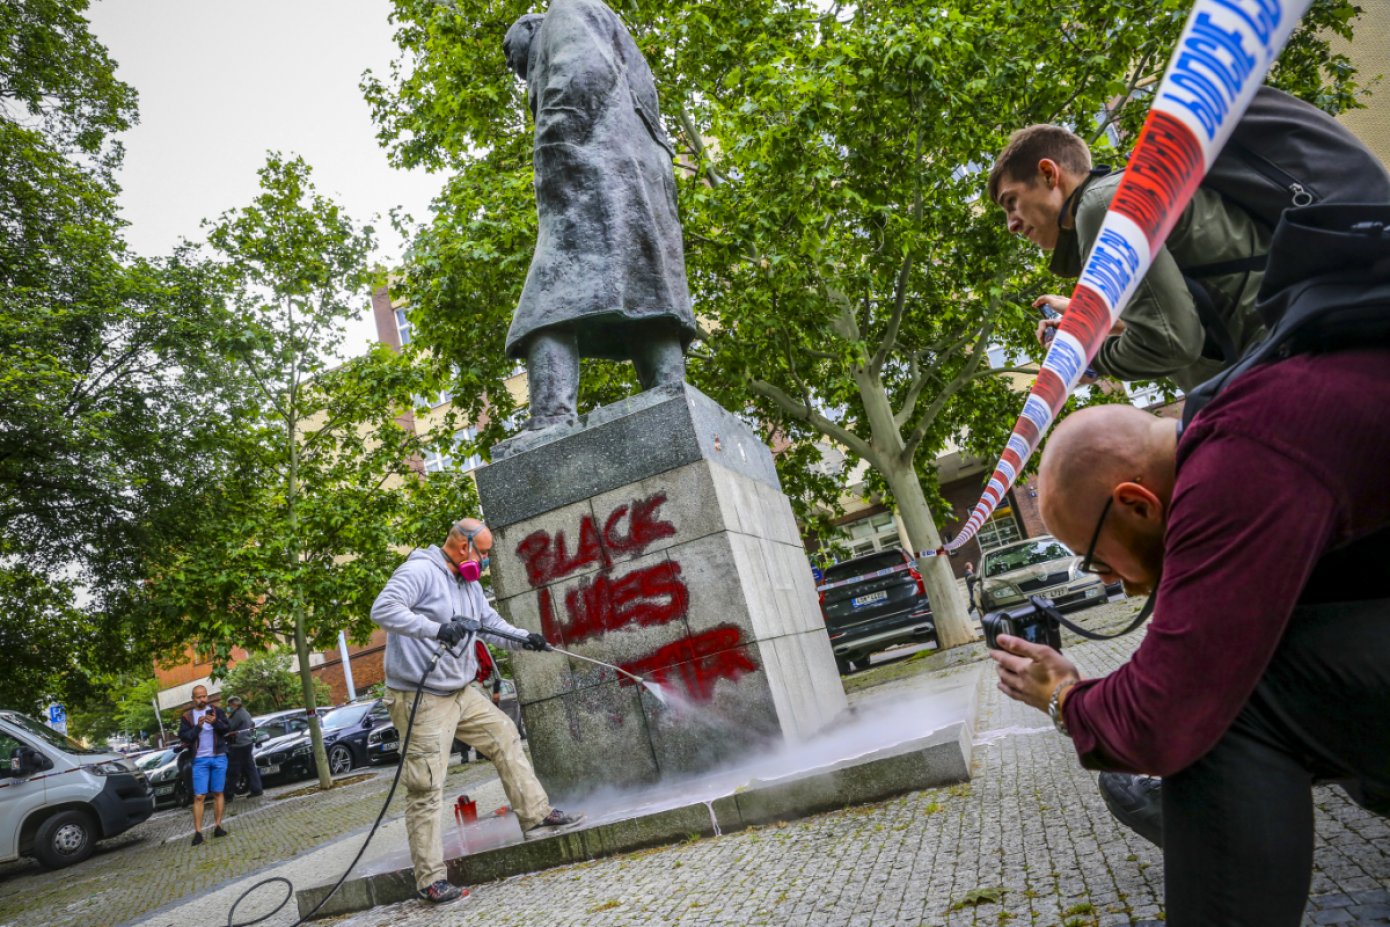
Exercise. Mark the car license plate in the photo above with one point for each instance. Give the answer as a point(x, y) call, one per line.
point(269, 770)
point(869, 599)
point(164, 790)
point(1055, 593)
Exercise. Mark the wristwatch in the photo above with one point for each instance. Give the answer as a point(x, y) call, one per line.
point(1054, 707)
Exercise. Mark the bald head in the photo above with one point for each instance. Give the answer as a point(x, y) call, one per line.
point(1093, 451)
point(469, 539)
point(468, 529)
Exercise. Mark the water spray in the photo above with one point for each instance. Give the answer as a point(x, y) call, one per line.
point(475, 626)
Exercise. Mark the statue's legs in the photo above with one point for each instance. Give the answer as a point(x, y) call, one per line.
point(552, 375)
point(658, 359)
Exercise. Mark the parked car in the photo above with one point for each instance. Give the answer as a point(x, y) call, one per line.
point(162, 769)
point(345, 732)
point(58, 798)
point(1041, 566)
point(278, 736)
point(383, 743)
point(875, 610)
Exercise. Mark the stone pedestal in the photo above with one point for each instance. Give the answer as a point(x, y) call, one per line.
point(655, 536)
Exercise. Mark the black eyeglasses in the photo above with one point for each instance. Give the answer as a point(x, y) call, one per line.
point(1089, 565)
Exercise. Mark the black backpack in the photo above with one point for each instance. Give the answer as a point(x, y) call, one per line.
point(1284, 153)
point(1327, 287)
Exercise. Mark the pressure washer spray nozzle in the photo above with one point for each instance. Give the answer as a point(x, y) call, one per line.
point(475, 626)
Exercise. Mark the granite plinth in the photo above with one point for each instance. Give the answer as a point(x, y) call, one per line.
point(655, 536)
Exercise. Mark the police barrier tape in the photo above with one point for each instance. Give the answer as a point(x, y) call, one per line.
point(939, 552)
point(1225, 50)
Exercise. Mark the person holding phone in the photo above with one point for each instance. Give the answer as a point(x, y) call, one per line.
point(203, 730)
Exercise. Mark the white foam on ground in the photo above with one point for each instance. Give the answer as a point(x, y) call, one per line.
point(876, 727)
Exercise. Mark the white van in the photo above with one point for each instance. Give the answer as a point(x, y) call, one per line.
point(57, 798)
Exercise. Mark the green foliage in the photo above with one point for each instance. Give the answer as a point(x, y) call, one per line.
point(108, 441)
point(134, 709)
point(266, 683)
point(311, 505)
point(319, 492)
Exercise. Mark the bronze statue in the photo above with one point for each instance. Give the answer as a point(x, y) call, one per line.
point(608, 275)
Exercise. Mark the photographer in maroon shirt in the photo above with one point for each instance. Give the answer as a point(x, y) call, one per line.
point(1265, 528)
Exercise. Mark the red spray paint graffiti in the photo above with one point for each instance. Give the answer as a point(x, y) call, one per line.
point(548, 559)
point(648, 597)
point(698, 661)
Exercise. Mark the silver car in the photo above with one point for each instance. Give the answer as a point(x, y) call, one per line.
point(1041, 566)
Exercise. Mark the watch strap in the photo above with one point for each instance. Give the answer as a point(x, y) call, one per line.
point(1054, 707)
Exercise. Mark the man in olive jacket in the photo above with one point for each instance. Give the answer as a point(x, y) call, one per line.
point(1044, 182)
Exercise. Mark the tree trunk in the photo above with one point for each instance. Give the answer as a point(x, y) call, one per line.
point(900, 473)
point(953, 624)
point(306, 678)
point(301, 641)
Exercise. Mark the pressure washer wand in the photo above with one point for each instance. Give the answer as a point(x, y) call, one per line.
point(475, 626)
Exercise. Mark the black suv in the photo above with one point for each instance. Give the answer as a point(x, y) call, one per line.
point(875, 609)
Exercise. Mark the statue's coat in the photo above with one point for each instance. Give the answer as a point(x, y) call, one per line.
point(609, 260)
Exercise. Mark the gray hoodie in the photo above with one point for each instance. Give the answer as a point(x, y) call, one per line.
point(421, 595)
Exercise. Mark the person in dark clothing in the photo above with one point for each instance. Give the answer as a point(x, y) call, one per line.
point(240, 748)
point(1264, 528)
point(203, 729)
point(970, 580)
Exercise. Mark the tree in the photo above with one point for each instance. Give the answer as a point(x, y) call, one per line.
point(266, 683)
point(106, 439)
point(832, 159)
point(319, 491)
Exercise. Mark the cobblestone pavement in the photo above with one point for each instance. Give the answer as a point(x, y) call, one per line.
point(153, 865)
point(1028, 842)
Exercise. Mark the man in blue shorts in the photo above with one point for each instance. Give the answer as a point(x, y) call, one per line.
point(203, 729)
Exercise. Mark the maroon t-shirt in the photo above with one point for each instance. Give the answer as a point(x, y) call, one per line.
point(1284, 469)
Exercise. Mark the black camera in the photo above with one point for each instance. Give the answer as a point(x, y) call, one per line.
point(1036, 621)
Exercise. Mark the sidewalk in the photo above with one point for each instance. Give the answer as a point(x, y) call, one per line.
point(1028, 843)
point(152, 867)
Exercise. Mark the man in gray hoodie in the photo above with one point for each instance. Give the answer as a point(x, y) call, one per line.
point(421, 609)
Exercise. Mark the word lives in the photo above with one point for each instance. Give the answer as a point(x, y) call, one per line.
point(616, 598)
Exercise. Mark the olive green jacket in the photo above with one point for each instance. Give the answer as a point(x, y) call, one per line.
point(1163, 336)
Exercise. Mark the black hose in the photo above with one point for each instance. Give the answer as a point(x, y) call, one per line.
point(289, 886)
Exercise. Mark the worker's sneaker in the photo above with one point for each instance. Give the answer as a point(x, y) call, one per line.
point(197, 837)
point(442, 892)
point(218, 831)
point(557, 819)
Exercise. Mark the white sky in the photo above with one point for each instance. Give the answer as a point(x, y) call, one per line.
point(223, 81)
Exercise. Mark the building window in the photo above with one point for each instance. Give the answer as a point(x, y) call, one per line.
point(873, 533)
point(1150, 394)
point(403, 326)
point(435, 461)
point(1001, 529)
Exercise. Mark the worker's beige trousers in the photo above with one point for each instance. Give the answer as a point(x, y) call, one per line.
point(470, 716)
